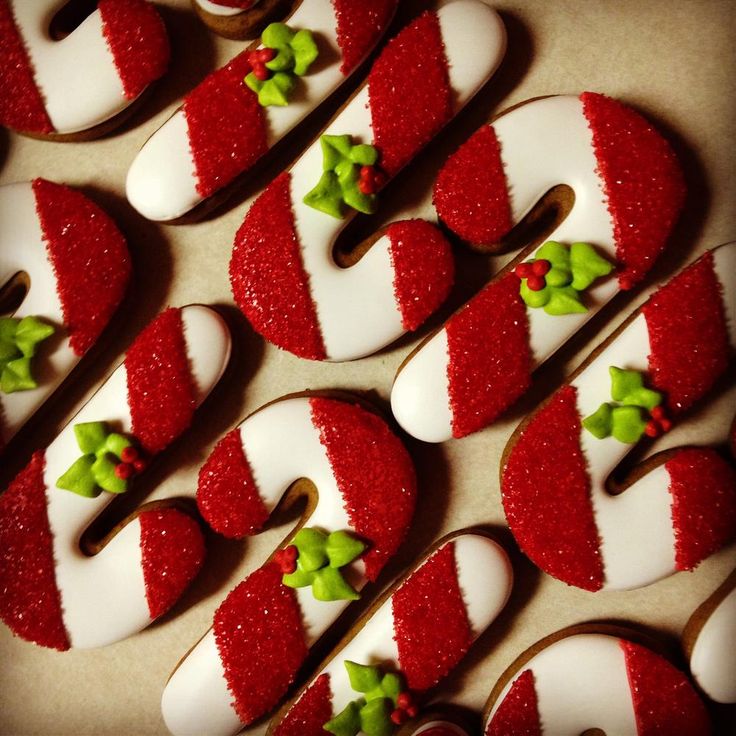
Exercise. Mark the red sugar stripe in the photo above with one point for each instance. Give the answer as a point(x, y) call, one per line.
point(89, 257)
point(137, 39)
point(664, 701)
point(423, 269)
point(172, 548)
point(161, 393)
point(518, 714)
point(409, 102)
point(688, 335)
point(307, 716)
point(703, 489)
point(359, 26)
point(546, 495)
point(226, 125)
point(643, 183)
point(267, 275)
point(227, 495)
point(431, 626)
point(30, 603)
point(490, 362)
point(471, 194)
point(21, 104)
point(258, 629)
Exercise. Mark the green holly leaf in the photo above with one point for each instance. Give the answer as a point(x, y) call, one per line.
point(277, 36)
point(627, 424)
point(103, 470)
point(392, 685)
point(274, 92)
point(8, 328)
point(305, 51)
point(564, 300)
point(252, 82)
point(587, 265)
point(326, 196)
point(353, 197)
point(342, 548)
point(298, 579)
point(91, 436)
point(347, 722)
point(363, 155)
point(363, 677)
point(558, 277)
point(311, 545)
point(30, 332)
point(599, 423)
point(79, 478)
point(330, 585)
point(116, 443)
point(534, 299)
point(556, 253)
point(283, 61)
point(375, 718)
point(628, 387)
point(16, 376)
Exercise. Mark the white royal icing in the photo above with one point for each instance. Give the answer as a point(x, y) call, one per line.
point(103, 597)
point(713, 660)
point(447, 725)
point(217, 9)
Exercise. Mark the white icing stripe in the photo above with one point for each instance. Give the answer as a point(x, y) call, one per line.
point(77, 76)
point(216, 9)
point(724, 265)
point(103, 597)
point(581, 683)
point(712, 662)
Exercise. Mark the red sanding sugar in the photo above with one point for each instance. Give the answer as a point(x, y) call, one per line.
point(267, 275)
point(226, 126)
point(431, 626)
point(258, 630)
point(21, 104)
point(664, 701)
point(703, 489)
point(89, 257)
point(161, 393)
point(374, 473)
point(423, 269)
point(172, 549)
point(307, 716)
point(546, 495)
point(359, 26)
point(471, 195)
point(30, 603)
point(490, 362)
point(642, 182)
point(409, 92)
point(688, 336)
point(227, 495)
point(518, 714)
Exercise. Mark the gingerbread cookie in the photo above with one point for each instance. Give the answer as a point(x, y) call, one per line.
point(405, 644)
point(232, 118)
point(628, 191)
point(437, 726)
point(83, 85)
point(361, 493)
point(579, 679)
point(64, 268)
point(54, 593)
point(283, 273)
point(680, 505)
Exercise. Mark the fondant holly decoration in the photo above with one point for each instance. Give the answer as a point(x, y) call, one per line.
point(19, 339)
point(384, 705)
point(350, 177)
point(109, 460)
point(286, 55)
point(315, 559)
point(557, 276)
point(638, 410)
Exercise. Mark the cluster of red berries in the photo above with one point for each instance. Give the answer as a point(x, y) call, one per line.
point(371, 180)
point(286, 559)
point(406, 708)
point(258, 60)
point(131, 463)
point(659, 423)
point(534, 273)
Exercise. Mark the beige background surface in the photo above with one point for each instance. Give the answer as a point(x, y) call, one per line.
point(673, 60)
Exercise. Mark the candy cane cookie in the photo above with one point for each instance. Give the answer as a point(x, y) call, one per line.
point(406, 644)
point(66, 261)
point(238, 18)
point(54, 594)
point(283, 274)
point(586, 678)
point(356, 519)
point(680, 505)
point(79, 87)
point(224, 126)
point(628, 191)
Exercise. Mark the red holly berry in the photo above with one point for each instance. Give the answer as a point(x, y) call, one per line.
point(261, 73)
point(404, 700)
point(123, 471)
point(366, 187)
point(658, 413)
point(139, 465)
point(625, 283)
point(265, 55)
point(524, 270)
point(541, 267)
point(286, 559)
point(536, 283)
point(291, 552)
point(651, 430)
point(665, 424)
point(398, 717)
point(412, 711)
point(129, 455)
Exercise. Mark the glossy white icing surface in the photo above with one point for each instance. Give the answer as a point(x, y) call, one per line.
point(216, 9)
point(713, 659)
point(103, 597)
point(543, 143)
point(581, 683)
point(724, 264)
point(447, 725)
point(76, 76)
